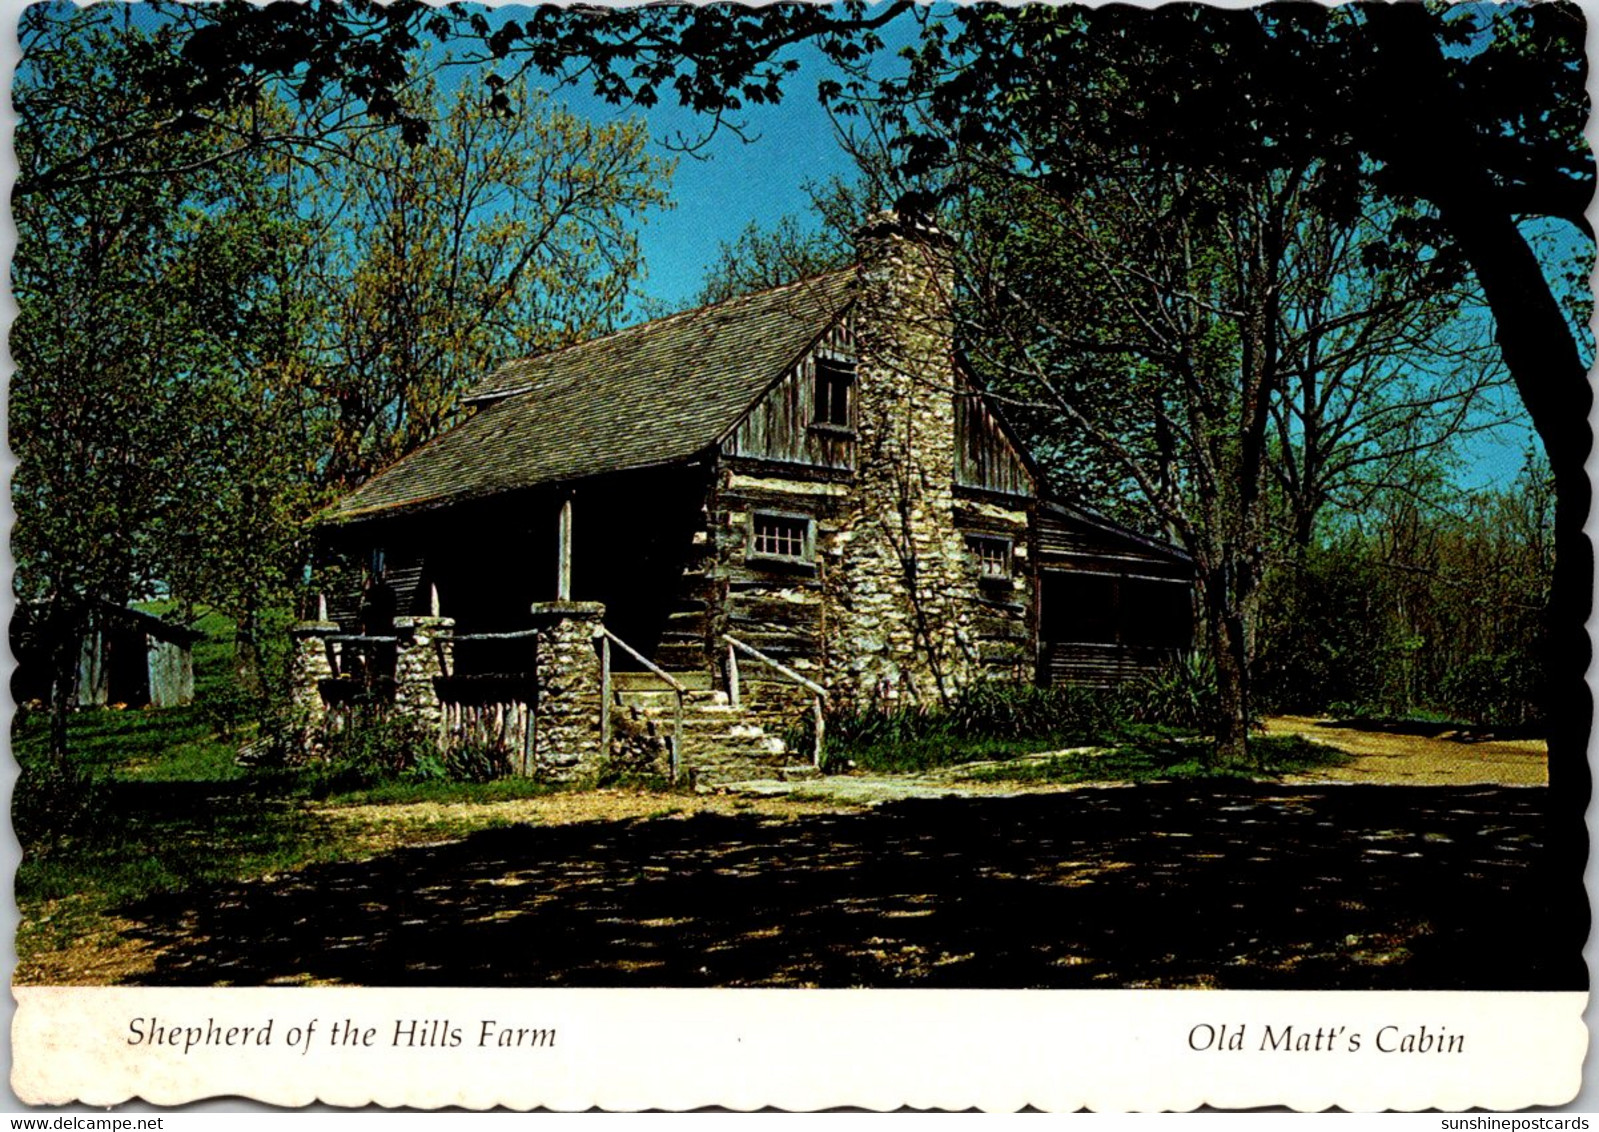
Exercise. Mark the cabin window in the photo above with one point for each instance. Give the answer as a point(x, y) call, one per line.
point(376, 564)
point(993, 557)
point(788, 538)
point(834, 381)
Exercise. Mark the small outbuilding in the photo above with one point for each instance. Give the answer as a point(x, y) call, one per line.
point(126, 657)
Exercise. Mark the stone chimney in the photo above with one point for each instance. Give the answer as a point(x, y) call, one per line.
point(904, 636)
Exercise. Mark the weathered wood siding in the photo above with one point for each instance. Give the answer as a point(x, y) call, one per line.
point(1001, 609)
point(985, 458)
point(782, 426)
point(1110, 608)
point(1067, 544)
point(776, 607)
point(171, 673)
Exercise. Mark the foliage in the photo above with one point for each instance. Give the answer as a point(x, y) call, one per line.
point(369, 751)
point(762, 258)
point(230, 309)
point(1073, 98)
point(1002, 719)
point(515, 233)
point(1421, 609)
point(475, 763)
point(1164, 760)
point(1181, 694)
point(54, 800)
point(1495, 689)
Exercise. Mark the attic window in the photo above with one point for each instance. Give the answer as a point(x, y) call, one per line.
point(993, 557)
point(834, 380)
point(787, 538)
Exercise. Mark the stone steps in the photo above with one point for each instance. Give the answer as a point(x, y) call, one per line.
point(719, 744)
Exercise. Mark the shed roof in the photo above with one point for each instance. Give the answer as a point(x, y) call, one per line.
point(653, 394)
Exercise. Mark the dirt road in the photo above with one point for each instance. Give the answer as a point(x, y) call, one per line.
point(1418, 755)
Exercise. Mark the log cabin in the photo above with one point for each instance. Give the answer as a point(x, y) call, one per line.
point(791, 496)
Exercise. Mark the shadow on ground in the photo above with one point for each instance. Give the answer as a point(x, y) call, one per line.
point(1165, 885)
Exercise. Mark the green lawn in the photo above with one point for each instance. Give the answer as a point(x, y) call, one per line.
point(161, 805)
point(1163, 760)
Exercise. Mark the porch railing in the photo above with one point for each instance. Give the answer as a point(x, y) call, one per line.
point(818, 693)
point(494, 720)
point(674, 743)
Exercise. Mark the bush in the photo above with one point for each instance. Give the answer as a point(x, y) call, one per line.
point(985, 720)
point(1495, 690)
point(1182, 695)
point(228, 708)
point(55, 800)
point(376, 750)
point(477, 763)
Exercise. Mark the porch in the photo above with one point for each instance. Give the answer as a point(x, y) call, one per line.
point(564, 709)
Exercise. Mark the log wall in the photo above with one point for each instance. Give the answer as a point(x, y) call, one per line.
point(782, 426)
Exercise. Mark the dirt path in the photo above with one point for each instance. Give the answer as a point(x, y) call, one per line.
point(1416, 755)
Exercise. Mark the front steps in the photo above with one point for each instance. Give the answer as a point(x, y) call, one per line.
point(720, 743)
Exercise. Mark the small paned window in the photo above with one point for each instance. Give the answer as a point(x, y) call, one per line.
point(992, 556)
point(834, 380)
point(780, 536)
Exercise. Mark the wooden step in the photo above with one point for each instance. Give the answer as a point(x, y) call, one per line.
point(694, 680)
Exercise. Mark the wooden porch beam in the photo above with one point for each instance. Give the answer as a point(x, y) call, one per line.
point(563, 550)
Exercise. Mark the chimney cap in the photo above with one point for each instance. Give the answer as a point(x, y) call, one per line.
point(908, 224)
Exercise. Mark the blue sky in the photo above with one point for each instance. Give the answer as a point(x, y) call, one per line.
point(732, 182)
point(728, 183)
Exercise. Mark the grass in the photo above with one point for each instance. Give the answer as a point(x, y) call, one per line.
point(1164, 760)
point(163, 807)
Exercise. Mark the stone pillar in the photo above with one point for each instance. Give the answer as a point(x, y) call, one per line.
point(425, 651)
point(903, 631)
point(566, 712)
point(310, 664)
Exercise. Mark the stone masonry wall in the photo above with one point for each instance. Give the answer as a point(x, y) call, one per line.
point(566, 718)
point(904, 588)
point(424, 652)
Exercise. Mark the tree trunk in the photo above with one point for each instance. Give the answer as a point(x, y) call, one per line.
point(66, 627)
point(1232, 688)
point(1435, 155)
point(1226, 632)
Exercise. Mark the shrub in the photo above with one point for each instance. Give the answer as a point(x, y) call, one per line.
point(1182, 695)
point(54, 800)
point(228, 707)
point(985, 720)
point(375, 750)
point(1495, 690)
point(476, 762)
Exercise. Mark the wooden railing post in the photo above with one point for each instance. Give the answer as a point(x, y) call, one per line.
point(605, 697)
point(732, 676)
point(811, 686)
point(674, 747)
point(821, 727)
point(675, 761)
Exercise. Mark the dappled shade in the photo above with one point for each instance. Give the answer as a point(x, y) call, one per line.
point(1254, 886)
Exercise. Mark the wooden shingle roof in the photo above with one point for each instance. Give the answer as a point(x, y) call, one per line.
point(654, 394)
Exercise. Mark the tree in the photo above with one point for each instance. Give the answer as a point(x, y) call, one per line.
point(1385, 363)
point(1497, 133)
point(1426, 601)
point(1164, 316)
point(516, 233)
point(135, 305)
point(211, 338)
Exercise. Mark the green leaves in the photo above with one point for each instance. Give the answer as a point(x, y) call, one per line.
point(216, 333)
